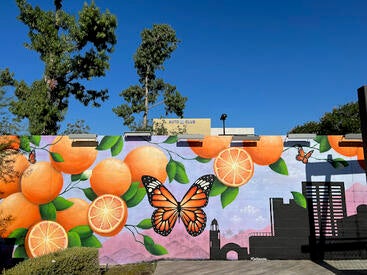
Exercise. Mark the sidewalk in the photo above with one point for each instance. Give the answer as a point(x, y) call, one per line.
point(262, 267)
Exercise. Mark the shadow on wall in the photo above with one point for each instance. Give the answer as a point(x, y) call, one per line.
point(326, 169)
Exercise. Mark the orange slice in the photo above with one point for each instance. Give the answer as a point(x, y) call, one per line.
point(234, 167)
point(107, 215)
point(45, 237)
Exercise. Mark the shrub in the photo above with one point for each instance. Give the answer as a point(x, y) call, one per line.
point(76, 260)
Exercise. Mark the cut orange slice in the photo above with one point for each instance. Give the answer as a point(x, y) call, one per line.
point(107, 215)
point(234, 167)
point(45, 237)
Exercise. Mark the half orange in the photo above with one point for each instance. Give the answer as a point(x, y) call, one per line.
point(234, 167)
point(107, 215)
point(45, 237)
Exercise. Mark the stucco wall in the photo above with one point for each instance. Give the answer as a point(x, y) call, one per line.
point(271, 198)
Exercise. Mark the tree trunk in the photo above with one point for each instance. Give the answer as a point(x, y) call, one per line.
point(145, 116)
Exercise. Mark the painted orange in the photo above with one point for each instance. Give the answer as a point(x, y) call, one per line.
point(12, 165)
point(107, 215)
point(211, 146)
point(75, 215)
point(110, 176)
point(234, 167)
point(45, 237)
point(17, 212)
point(76, 159)
point(267, 150)
point(345, 151)
point(360, 158)
point(9, 142)
point(41, 183)
point(147, 160)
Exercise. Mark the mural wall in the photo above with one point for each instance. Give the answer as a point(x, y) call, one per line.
point(148, 198)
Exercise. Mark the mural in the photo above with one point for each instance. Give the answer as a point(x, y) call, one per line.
point(147, 198)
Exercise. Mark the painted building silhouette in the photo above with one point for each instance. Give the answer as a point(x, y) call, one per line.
point(290, 230)
point(354, 226)
point(321, 231)
point(326, 201)
point(220, 253)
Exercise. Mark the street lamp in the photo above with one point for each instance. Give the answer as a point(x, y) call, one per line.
point(223, 118)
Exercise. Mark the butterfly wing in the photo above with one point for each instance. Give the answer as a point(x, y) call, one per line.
point(301, 154)
point(193, 217)
point(166, 214)
point(307, 156)
point(32, 157)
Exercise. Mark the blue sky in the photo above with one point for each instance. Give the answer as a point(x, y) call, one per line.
point(270, 65)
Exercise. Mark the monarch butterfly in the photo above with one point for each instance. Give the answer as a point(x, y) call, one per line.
point(32, 157)
point(169, 209)
point(302, 156)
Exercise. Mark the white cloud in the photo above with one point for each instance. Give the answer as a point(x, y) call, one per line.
point(260, 219)
point(236, 219)
point(249, 210)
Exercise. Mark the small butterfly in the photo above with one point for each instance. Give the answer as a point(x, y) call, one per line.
point(169, 209)
point(302, 156)
point(32, 157)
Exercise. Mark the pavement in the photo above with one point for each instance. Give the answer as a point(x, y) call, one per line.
point(286, 267)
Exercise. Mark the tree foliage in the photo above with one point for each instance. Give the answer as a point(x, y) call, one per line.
point(8, 123)
point(341, 120)
point(73, 50)
point(78, 127)
point(156, 47)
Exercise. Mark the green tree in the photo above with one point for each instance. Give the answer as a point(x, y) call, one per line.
point(156, 47)
point(8, 123)
point(78, 127)
point(341, 120)
point(73, 50)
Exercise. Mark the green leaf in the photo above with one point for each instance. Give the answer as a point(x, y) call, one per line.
point(74, 239)
point(280, 167)
point(56, 157)
point(107, 142)
point(75, 177)
point(89, 193)
point(148, 241)
point(324, 143)
point(153, 248)
point(229, 196)
point(299, 199)
point(338, 163)
point(171, 140)
point(145, 224)
point(85, 175)
point(18, 233)
point(181, 175)
point(157, 250)
point(61, 204)
point(20, 253)
point(131, 191)
point(202, 160)
point(137, 198)
point(82, 177)
point(92, 241)
point(48, 211)
point(117, 147)
point(84, 231)
point(35, 140)
point(25, 144)
point(318, 138)
point(217, 188)
point(171, 169)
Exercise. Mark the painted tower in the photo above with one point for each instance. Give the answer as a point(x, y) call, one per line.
point(214, 240)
